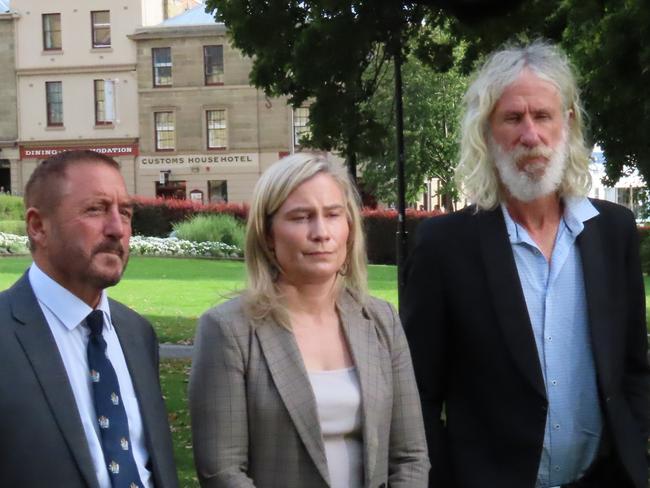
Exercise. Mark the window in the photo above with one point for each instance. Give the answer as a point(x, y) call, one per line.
point(100, 21)
point(162, 66)
point(101, 104)
point(54, 103)
point(216, 124)
point(218, 191)
point(213, 64)
point(51, 32)
point(165, 131)
point(300, 124)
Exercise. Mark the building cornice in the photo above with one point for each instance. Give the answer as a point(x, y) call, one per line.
point(167, 90)
point(77, 142)
point(148, 33)
point(67, 70)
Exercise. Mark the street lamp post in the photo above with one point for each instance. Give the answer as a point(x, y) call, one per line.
point(402, 234)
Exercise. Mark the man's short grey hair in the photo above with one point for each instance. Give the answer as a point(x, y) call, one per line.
point(476, 174)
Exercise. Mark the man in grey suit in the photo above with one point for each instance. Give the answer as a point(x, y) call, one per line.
point(80, 399)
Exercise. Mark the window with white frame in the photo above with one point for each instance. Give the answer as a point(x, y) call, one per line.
point(101, 103)
point(300, 124)
point(162, 66)
point(217, 128)
point(165, 126)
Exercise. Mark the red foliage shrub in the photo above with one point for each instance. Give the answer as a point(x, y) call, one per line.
point(380, 226)
point(155, 216)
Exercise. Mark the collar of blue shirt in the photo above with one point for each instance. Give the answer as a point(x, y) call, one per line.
point(577, 210)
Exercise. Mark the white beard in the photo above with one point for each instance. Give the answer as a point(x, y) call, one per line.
point(535, 180)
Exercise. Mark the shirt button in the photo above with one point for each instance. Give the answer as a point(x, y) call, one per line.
point(554, 382)
point(556, 426)
point(549, 338)
point(556, 468)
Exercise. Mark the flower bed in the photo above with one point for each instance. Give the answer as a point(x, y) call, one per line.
point(172, 246)
point(12, 244)
point(143, 246)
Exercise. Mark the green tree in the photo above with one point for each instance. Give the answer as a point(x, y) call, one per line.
point(431, 121)
point(608, 41)
point(331, 53)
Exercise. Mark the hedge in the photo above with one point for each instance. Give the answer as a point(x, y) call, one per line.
point(155, 217)
point(381, 232)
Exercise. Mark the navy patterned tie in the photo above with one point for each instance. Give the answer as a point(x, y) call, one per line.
point(111, 416)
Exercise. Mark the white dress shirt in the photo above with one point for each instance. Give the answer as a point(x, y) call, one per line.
point(65, 314)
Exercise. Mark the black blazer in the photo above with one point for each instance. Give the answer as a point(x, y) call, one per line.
point(474, 354)
point(42, 440)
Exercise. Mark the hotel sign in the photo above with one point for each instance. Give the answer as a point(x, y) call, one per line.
point(186, 161)
point(112, 150)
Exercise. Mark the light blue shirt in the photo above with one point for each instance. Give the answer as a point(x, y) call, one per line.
point(65, 314)
point(557, 307)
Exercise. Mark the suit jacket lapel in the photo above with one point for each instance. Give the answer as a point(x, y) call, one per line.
point(144, 378)
point(599, 311)
point(363, 345)
point(40, 347)
point(508, 297)
point(290, 377)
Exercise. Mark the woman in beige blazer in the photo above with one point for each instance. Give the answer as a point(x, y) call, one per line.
point(304, 381)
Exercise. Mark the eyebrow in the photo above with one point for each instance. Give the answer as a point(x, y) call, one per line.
point(336, 206)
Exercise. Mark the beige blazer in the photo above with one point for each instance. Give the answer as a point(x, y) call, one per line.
point(254, 417)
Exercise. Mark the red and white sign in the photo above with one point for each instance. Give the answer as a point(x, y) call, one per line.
point(44, 152)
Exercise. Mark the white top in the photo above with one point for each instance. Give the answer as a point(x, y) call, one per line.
point(65, 314)
point(338, 399)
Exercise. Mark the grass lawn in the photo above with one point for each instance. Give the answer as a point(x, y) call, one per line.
point(174, 376)
point(172, 292)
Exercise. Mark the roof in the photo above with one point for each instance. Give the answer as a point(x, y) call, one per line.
point(193, 16)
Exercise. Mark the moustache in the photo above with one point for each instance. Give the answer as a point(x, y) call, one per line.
point(114, 247)
point(521, 152)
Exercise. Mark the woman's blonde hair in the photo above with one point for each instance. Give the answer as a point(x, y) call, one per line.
point(262, 296)
point(476, 174)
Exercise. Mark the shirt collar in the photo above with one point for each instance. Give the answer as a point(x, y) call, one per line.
point(577, 210)
point(65, 306)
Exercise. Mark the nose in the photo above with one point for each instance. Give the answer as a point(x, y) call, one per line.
point(319, 230)
point(529, 134)
point(115, 226)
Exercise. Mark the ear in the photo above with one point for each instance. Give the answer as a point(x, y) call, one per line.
point(572, 115)
point(36, 226)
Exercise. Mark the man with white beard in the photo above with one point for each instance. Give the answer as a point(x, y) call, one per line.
point(525, 312)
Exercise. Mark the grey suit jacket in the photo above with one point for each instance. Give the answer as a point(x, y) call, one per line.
point(254, 416)
point(42, 440)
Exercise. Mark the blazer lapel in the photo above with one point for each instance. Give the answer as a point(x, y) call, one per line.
point(363, 345)
point(508, 296)
point(600, 313)
point(144, 378)
point(290, 377)
point(40, 347)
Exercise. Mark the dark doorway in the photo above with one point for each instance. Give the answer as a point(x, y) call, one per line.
point(5, 176)
point(172, 189)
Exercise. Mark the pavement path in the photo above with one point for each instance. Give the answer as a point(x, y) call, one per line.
point(176, 351)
